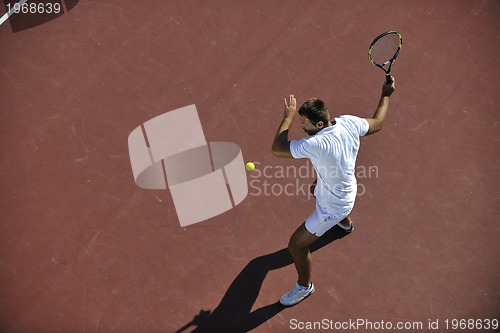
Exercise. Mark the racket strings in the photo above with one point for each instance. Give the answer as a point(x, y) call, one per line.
point(385, 48)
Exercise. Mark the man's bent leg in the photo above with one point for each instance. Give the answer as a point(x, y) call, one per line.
point(299, 249)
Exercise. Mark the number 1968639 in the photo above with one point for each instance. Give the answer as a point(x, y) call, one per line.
point(35, 8)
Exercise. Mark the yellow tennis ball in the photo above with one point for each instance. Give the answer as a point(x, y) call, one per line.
point(250, 166)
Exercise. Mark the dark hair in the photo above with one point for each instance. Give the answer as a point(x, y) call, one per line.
point(315, 110)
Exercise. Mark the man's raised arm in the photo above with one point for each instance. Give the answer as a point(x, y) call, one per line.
point(376, 123)
point(281, 145)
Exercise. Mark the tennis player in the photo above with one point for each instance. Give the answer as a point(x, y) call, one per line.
point(332, 146)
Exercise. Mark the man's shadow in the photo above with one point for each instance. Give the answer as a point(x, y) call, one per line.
point(234, 313)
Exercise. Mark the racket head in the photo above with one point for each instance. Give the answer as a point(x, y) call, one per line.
point(385, 48)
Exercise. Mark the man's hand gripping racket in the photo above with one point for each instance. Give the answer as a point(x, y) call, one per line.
point(383, 51)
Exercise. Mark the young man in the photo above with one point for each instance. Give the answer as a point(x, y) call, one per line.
point(332, 147)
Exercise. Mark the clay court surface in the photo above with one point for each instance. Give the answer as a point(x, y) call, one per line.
point(84, 249)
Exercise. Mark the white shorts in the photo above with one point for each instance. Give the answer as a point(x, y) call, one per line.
point(322, 220)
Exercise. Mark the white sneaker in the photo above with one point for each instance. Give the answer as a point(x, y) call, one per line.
point(296, 295)
point(349, 228)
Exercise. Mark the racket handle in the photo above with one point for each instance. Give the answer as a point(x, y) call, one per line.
point(388, 79)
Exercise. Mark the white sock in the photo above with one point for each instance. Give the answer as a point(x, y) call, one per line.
point(304, 288)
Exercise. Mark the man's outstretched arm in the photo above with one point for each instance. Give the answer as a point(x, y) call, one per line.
point(376, 123)
point(281, 145)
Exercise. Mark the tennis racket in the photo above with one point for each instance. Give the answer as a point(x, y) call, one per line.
point(383, 51)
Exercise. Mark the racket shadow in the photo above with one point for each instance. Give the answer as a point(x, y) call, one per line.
point(234, 312)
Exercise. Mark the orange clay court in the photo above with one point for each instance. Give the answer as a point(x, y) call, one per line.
point(84, 249)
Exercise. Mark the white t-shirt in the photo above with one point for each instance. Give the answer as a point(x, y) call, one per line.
point(332, 152)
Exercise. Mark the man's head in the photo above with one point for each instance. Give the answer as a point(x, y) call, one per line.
point(314, 116)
